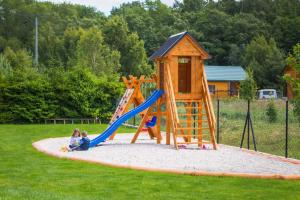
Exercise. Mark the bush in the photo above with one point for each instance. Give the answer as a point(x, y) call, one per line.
point(28, 95)
point(271, 112)
point(248, 86)
point(296, 109)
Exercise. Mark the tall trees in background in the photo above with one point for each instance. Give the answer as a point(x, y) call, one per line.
point(266, 60)
point(80, 48)
point(133, 55)
point(293, 60)
point(93, 53)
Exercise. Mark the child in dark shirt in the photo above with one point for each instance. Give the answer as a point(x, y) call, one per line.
point(84, 142)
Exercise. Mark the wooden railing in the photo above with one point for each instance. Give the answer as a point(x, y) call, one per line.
point(72, 121)
point(170, 99)
point(209, 109)
point(208, 101)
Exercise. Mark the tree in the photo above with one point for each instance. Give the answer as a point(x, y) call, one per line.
point(93, 53)
point(248, 86)
point(193, 5)
point(294, 60)
point(71, 38)
point(5, 68)
point(271, 112)
point(266, 60)
point(19, 59)
point(133, 56)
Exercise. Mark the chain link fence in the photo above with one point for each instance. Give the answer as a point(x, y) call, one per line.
point(272, 134)
point(275, 126)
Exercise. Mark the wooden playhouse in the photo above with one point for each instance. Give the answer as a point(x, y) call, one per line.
point(186, 106)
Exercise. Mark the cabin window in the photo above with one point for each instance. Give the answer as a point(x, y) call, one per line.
point(184, 60)
point(184, 74)
point(161, 75)
point(212, 89)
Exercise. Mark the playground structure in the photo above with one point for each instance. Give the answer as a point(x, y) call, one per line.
point(133, 95)
point(182, 97)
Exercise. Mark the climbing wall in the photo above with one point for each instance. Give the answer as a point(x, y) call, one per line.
point(122, 105)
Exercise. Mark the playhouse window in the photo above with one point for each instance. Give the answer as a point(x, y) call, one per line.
point(212, 89)
point(183, 60)
point(184, 74)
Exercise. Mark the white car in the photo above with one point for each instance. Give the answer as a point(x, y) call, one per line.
point(267, 94)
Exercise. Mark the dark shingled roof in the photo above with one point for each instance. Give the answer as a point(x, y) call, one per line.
point(170, 43)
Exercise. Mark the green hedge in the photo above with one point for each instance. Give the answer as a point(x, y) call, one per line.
point(28, 96)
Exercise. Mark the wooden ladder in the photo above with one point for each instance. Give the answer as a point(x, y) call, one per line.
point(193, 122)
point(199, 118)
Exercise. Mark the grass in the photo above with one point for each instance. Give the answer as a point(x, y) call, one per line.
point(28, 174)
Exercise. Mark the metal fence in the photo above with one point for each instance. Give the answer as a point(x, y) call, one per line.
point(276, 131)
point(219, 94)
point(279, 137)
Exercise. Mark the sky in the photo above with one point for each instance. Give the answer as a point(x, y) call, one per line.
point(104, 5)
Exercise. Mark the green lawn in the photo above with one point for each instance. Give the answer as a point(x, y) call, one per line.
point(28, 174)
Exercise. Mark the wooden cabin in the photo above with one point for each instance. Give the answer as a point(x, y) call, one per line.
point(186, 59)
point(181, 74)
point(291, 71)
point(224, 81)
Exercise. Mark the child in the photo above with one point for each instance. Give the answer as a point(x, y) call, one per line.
point(75, 139)
point(84, 143)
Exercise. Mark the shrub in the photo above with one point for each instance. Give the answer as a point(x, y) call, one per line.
point(271, 112)
point(248, 86)
point(29, 96)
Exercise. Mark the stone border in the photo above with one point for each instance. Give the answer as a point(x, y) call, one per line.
point(193, 173)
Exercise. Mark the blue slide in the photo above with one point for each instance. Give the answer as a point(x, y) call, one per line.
point(113, 127)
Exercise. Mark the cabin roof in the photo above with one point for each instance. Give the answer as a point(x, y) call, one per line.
point(225, 73)
point(170, 43)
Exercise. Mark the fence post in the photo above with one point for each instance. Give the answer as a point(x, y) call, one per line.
point(286, 127)
point(248, 130)
point(134, 115)
point(218, 121)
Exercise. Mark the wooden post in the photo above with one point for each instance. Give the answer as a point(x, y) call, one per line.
point(189, 121)
point(158, 123)
point(200, 118)
point(168, 125)
point(140, 126)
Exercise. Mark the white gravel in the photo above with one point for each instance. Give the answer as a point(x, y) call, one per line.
point(147, 154)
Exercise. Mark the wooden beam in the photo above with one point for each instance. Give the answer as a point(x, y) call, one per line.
point(142, 124)
point(200, 123)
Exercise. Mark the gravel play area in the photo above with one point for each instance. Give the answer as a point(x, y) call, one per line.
point(148, 155)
